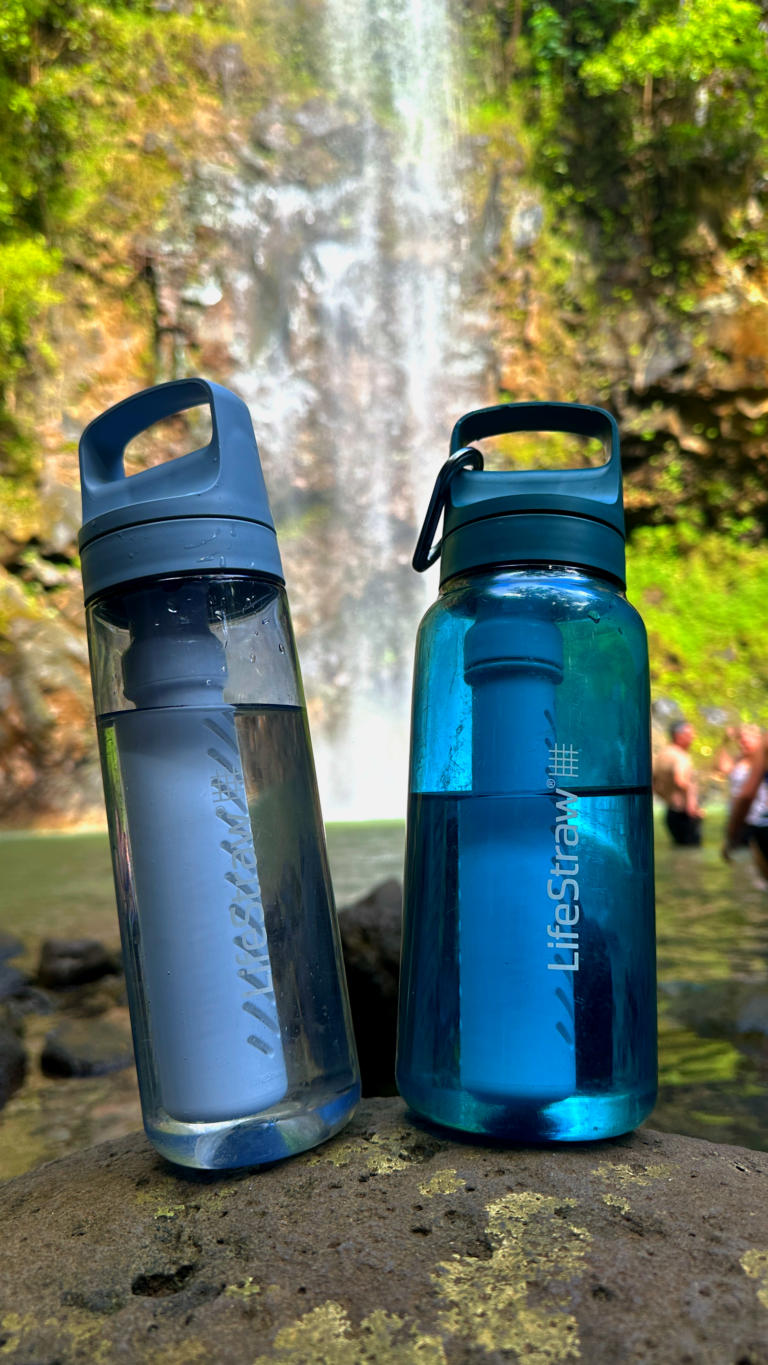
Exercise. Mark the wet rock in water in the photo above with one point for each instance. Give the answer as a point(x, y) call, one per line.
point(13, 1062)
point(86, 1047)
point(370, 936)
point(10, 946)
point(753, 1016)
point(31, 1001)
point(13, 982)
point(73, 962)
point(393, 1242)
point(86, 1002)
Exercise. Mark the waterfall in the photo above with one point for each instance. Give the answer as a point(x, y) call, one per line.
point(355, 356)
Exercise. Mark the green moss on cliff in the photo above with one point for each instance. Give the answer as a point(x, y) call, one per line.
point(639, 131)
point(703, 601)
point(105, 106)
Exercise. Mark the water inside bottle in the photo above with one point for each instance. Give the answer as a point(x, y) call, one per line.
point(479, 938)
point(226, 817)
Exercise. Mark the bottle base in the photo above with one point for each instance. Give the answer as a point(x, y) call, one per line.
point(580, 1118)
point(285, 1131)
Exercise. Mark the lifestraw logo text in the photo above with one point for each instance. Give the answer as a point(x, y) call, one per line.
point(562, 886)
point(246, 909)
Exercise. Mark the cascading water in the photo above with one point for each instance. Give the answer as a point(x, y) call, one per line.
point(355, 356)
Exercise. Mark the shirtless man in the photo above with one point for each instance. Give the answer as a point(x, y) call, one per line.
point(675, 782)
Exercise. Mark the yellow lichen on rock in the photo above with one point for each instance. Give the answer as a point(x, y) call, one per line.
point(15, 1324)
point(623, 1174)
point(323, 1337)
point(189, 1352)
point(246, 1290)
point(442, 1182)
point(382, 1155)
point(489, 1300)
point(615, 1201)
point(86, 1340)
point(755, 1263)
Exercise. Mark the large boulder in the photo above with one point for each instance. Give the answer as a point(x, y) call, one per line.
point(394, 1244)
point(370, 937)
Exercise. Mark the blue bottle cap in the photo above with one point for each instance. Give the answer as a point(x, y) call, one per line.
point(205, 512)
point(543, 516)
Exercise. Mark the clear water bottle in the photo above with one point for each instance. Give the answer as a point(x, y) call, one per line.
point(528, 988)
point(236, 985)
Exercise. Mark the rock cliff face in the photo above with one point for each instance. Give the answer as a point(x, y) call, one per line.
point(393, 1243)
point(299, 255)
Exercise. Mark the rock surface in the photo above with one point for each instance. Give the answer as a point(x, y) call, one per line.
point(370, 937)
point(392, 1244)
point(86, 1047)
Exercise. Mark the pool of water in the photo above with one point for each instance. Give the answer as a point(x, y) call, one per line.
point(713, 983)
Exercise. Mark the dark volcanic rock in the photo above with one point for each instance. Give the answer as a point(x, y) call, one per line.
point(86, 1047)
point(13, 1063)
point(73, 962)
point(30, 1001)
point(370, 936)
point(392, 1245)
point(10, 946)
point(13, 983)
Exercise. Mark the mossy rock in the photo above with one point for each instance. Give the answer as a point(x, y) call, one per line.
point(392, 1243)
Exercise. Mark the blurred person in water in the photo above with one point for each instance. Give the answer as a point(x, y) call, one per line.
point(748, 819)
point(674, 780)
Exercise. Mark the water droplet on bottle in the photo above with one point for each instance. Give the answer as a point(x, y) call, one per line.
point(594, 616)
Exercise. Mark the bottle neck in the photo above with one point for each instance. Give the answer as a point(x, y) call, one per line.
point(568, 575)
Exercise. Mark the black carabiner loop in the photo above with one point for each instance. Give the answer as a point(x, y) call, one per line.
point(426, 553)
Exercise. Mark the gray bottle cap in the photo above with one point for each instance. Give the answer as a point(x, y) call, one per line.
point(548, 516)
point(205, 512)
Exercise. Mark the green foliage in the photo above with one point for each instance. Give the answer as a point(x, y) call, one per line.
point(78, 82)
point(652, 116)
point(703, 601)
point(695, 41)
point(27, 266)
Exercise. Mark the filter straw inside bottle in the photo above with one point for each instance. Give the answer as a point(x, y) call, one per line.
point(203, 937)
point(516, 1014)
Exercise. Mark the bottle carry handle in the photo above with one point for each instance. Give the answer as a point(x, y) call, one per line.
point(426, 554)
point(574, 419)
point(219, 464)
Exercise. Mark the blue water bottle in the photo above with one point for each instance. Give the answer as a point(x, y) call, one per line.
point(528, 986)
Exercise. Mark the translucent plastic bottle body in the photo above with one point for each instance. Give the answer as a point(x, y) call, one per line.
point(236, 985)
point(527, 996)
